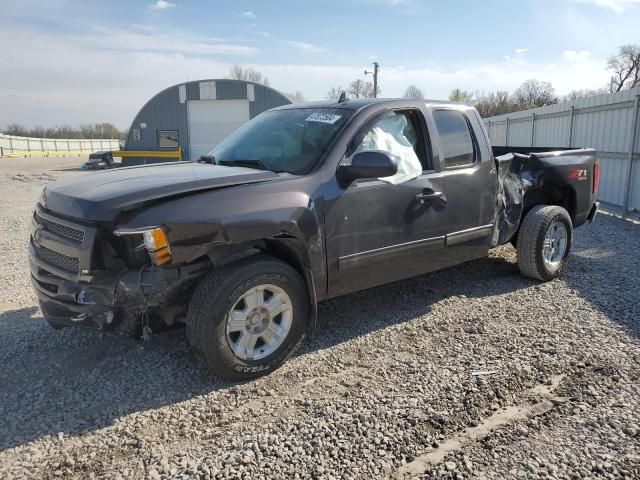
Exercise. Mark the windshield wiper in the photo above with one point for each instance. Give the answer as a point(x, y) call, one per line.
point(244, 163)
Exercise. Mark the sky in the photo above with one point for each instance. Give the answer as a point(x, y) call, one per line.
point(72, 62)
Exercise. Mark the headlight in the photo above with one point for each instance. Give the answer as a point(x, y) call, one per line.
point(155, 241)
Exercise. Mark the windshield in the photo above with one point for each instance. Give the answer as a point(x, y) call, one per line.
point(283, 140)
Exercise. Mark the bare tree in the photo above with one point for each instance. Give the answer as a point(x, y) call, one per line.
point(368, 91)
point(494, 103)
point(534, 93)
point(357, 89)
point(248, 74)
point(16, 129)
point(335, 92)
point(586, 92)
point(38, 132)
point(626, 68)
point(296, 97)
point(459, 95)
point(93, 130)
point(361, 89)
point(413, 92)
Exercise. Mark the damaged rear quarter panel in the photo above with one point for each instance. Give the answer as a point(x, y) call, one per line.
point(542, 178)
point(517, 174)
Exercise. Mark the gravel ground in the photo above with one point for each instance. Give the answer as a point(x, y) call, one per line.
point(473, 372)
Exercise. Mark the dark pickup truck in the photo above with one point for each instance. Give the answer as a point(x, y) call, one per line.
point(303, 203)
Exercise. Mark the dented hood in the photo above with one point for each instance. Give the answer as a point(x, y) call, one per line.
point(103, 195)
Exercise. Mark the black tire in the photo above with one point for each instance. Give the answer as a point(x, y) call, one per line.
point(531, 238)
point(215, 296)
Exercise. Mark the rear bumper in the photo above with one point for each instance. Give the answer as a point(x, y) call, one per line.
point(593, 212)
point(105, 298)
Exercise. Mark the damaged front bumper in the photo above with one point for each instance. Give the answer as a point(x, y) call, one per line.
point(103, 299)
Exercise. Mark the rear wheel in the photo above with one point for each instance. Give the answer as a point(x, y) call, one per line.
point(544, 241)
point(246, 318)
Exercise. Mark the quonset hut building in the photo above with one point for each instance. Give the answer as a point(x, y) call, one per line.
point(195, 116)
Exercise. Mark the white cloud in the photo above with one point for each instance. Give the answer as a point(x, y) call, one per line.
point(518, 55)
point(41, 91)
point(162, 5)
point(575, 56)
point(306, 47)
point(247, 14)
point(618, 6)
point(149, 39)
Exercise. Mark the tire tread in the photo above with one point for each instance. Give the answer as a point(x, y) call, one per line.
point(531, 234)
point(204, 297)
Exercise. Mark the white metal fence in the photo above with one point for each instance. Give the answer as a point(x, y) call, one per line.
point(608, 123)
point(13, 146)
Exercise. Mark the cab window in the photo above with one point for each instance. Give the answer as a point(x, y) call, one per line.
point(397, 134)
point(455, 138)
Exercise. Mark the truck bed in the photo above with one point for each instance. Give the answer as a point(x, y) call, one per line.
point(497, 151)
point(556, 176)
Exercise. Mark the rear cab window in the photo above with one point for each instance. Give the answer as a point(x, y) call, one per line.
point(456, 138)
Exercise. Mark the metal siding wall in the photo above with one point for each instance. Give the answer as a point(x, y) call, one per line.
point(520, 132)
point(193, 91)
point(231, 89)
point(162, 112)
point(602, 122)
point(266, 99)
point(497, 133)
point(551, 131)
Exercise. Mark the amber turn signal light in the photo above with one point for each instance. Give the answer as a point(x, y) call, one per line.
point(155, 241)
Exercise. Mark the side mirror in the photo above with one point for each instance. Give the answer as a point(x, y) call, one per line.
point(370, 164)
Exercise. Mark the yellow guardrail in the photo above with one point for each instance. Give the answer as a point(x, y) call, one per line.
point(78, 153)
point(148, 153)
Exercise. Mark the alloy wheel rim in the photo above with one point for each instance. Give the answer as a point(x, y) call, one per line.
point(259, 321)
point(555, 245)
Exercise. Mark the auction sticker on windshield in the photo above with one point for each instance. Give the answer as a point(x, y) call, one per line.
point(323, 117)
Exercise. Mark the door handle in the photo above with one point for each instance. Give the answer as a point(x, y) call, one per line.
point(423, 197)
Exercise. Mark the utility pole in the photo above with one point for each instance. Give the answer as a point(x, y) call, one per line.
point(375, 78)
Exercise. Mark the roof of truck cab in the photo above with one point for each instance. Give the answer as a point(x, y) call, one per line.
point(358, 103)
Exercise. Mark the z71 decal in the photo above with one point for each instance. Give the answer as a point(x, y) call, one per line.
point(577, 174)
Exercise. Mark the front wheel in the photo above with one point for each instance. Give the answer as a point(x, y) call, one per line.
point(544, 241)
point(246, 318)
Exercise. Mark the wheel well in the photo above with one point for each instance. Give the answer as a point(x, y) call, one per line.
point(287, 248)
point(564, 197)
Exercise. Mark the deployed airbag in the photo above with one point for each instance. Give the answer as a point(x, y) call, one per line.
point(390, 134)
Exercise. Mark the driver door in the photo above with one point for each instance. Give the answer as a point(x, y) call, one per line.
point(382, 230)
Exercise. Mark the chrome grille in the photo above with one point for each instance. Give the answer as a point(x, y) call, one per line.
point(62, 230)
point(63, 262)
